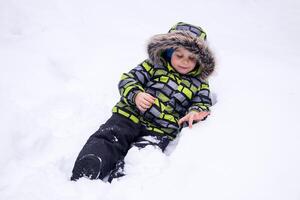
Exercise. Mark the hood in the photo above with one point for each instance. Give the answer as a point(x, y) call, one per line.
point(160, 43)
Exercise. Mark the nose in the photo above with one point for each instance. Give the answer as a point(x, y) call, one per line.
point(185, 61)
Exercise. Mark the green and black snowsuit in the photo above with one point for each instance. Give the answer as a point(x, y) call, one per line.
point(176, 95)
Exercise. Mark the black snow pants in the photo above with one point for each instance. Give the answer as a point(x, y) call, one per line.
point(104, 152)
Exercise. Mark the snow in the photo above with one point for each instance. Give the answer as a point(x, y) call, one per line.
point(60, 62)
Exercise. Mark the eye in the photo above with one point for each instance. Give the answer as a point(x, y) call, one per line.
point(192, 58)
point(179, 55)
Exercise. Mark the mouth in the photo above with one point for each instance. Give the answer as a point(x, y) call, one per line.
point(182, 67)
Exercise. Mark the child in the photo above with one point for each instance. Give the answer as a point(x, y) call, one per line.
point(157, 97)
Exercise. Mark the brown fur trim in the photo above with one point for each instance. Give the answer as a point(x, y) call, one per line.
point(159, 43)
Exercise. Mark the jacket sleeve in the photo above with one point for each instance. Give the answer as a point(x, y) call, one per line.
point(134, 82)
point(201, 101)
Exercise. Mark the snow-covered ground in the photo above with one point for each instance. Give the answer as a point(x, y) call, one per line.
point(60, 62)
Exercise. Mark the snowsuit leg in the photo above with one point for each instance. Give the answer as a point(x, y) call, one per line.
point(149, 138)
point(105, 148)
point(145, 139)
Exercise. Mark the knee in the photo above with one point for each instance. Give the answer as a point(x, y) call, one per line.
point(89, 166)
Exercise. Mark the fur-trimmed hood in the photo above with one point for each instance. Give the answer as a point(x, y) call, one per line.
point(160, 43)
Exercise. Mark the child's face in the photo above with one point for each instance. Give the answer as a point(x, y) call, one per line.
point(183, 61)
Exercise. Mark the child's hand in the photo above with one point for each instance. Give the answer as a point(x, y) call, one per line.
point(144, 101)
point(193, 116)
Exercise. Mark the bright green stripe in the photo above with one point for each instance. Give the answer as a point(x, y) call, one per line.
point(134, 119)
point(169, 118)
point(125, 76)
point(186, 83)
point(172, 76)
point(155, 130)
point(127, 89)
point(203, 107)
point(161, 72)
point(204, 86)
point(125, 100)
point(163, 97)
point(180, 87)
point(146, 66)
point(187, 92)
point(141, 88)
point(170, 68)
point(164, 79)
point(160, 105)
point(202, 36)
point(123, 113)
point(193, 88)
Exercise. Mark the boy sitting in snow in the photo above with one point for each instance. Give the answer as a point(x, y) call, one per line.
point(157, 97)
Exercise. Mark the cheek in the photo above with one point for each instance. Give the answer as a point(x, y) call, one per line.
point(173, 60)
point(193, 64)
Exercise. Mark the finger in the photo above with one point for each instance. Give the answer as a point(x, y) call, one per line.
point(149, 95)
point(206, 113)
point(149, 98)
point(191, 119)
point(152, 98)
point(202, 115)
point(145, 101)
point(145, 104)
point(149, 101)
point(180, 121)
point(141, 108)
point(183, 119)
point(198, 117)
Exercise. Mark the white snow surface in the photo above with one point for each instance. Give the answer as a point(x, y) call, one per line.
point(60, 63)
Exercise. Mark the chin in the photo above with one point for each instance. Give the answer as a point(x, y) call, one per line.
point(184, 71)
